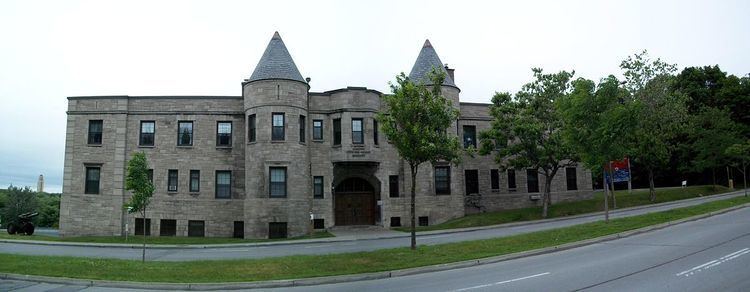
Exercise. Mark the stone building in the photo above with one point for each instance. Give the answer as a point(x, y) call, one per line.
point(275, 161)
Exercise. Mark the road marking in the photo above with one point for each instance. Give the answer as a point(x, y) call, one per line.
point(713, 263)
point(500, 283)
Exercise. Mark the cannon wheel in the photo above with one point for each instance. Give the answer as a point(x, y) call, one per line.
point(28, 228)
point(12, 228)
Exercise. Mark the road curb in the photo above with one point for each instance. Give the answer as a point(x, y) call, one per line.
point(359, 277)
point(334, 239)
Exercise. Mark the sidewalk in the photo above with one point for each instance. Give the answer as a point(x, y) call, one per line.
point(351, 235)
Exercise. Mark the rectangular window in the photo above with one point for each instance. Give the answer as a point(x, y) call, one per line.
point(318, 187)
point(167, 227)
point(336, 131)
point(511, 180)
point(148, 129)
point(239, 229)
point(470, 136)
point(395, 221)
point(251, 128)
point(224, 134)
point(393, 186)
point(195, 180)
point(471, 179)
point(172, 180)
point(570, 178)
point(319, 223)
point(196, 228)
point(223, 184)
point(92, 180)
point(302, 129)
point(424, 221)
point(375, 130)
point(150, 175)
point(277, 187)
point(494, 179)
point(317, 129)
point(532, 181)
point(442, 180)
point(357, 137)
point(276, 230)
point(185, 134)
point(277, 131)
point(139, 226)
point(95, 132)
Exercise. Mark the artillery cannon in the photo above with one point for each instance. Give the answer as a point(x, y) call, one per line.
point(23, 225)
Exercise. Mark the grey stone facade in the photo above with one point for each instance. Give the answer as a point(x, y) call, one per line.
point(358, 175)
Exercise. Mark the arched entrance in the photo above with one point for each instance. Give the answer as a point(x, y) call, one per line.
point(355, 202)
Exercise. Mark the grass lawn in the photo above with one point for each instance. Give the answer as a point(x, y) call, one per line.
point(179, 240)
point(336, 264)
point(624, 200)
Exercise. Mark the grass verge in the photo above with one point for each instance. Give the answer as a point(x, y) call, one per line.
point(337, 264)
point(174, 240)
point(624, 200)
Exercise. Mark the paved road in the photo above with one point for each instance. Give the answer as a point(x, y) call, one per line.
point(711, 254)
point(249, 252)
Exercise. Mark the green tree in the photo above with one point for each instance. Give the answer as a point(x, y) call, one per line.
point(526, 131)
point(598, 122)
point(137, 181)
point(415, 121)
point(18, 201)
point(49, 210)
point(711, 131)
point(740, 154)
point(661, 112)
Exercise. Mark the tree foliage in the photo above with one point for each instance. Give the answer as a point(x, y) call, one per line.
point(18, 201)
point(137, 182)
point(526, 131)
point(661, 112)
point(415, 121)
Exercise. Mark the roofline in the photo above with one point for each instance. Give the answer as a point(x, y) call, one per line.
point(475, 103)
point(269, 79)
point(348, 88)
point(154, 97)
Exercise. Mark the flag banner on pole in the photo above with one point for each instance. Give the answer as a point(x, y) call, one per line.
point(620, 169)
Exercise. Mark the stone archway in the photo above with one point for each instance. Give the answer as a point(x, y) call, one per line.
point(355, 202)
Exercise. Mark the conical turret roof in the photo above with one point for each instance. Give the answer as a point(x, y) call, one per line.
point(276, 63)
point(426, 60)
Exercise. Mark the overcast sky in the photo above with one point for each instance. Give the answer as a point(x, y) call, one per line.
point(53, 49)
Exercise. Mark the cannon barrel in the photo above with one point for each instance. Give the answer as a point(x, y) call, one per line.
point(29, 215)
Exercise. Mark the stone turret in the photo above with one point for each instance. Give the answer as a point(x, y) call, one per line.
point(426, 61)
point(277, 161)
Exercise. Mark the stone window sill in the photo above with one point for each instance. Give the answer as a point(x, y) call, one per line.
point(185, 146)
point(224, 147)
point(94, 145)
point(146, 146)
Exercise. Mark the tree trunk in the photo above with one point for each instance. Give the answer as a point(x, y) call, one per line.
point(713, 175)
point(612, 184)
point(744, 177)
point(546, 199)
point(652, 192)
point(606, 200)
point(143, 255)
point(413, 209)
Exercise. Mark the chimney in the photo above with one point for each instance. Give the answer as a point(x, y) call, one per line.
point(450, 73)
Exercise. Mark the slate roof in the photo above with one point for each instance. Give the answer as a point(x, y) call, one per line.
point(276, 63)
point(428, 59)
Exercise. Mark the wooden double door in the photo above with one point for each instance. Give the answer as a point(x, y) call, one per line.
point(355, 203)
point(355, 208)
